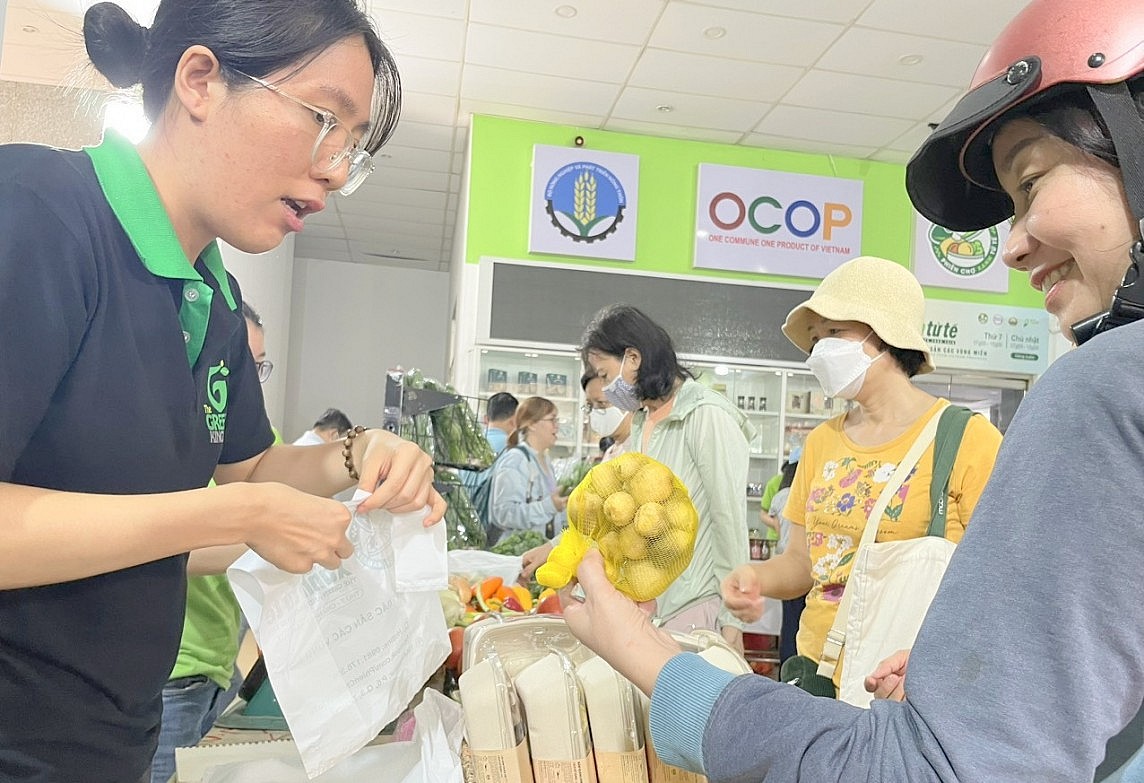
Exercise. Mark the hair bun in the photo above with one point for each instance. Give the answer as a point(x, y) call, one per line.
point(115, 43)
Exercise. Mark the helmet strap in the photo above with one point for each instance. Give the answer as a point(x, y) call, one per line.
point(1115, 104)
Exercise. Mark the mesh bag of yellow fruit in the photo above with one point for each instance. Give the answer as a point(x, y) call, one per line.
point(640, 517)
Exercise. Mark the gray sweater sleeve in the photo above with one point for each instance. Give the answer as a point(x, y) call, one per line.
point(1032, 654)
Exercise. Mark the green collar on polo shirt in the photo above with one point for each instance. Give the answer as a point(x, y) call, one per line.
point(135, 202)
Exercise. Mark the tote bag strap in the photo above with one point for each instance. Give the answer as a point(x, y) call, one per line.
point(947, 441)
point(836, 636)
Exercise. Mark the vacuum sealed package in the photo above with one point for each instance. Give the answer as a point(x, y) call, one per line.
point(557, 721)
point(641, 518)
point(617, 734)
point(336, 643)
point(494, 726)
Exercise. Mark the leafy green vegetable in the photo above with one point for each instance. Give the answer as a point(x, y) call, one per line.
point(518, 543)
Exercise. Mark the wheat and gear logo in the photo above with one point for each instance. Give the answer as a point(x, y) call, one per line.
point(585, 201)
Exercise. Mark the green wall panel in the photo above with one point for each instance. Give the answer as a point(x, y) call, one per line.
point(500, 183)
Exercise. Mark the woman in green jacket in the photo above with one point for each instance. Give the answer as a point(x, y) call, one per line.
point(694, 431)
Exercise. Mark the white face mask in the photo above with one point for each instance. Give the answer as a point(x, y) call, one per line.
point(840, 366)
point(605, 421)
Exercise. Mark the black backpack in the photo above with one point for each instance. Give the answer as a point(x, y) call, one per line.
point(481, 493)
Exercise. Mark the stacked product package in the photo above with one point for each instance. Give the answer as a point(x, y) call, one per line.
point(541, 708)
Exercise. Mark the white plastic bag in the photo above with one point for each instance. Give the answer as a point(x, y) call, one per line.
point(344, 651)
point(431, 756)
point(480, 564)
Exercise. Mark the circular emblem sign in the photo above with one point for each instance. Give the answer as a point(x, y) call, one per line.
point(964, 253)
point(585, 201)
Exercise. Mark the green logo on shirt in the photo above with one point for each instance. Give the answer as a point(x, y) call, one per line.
point(216, 396)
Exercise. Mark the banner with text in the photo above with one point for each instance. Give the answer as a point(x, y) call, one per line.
point(776, 222)
point(584, 203)
point(969, 260)
point(971, 336)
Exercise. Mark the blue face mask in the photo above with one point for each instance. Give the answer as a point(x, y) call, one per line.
point(621, 393)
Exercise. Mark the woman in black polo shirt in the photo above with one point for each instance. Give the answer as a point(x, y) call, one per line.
point(125, 379)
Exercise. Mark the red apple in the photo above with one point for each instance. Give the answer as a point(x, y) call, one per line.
point(512, 603)
point(550, 605)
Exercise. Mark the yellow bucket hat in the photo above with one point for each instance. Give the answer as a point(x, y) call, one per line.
point(879, 293)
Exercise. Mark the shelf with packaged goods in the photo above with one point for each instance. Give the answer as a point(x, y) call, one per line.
point(810, 416)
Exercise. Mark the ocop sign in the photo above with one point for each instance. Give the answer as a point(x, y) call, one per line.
point(774, 222)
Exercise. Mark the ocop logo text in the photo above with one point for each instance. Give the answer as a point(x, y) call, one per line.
point(801, 218)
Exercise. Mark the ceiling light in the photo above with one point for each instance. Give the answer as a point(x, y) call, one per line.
point(665, 108)
point(722, 369)
point(715, 33)
point(565, 11)
point(910, 59)
point(30, 28)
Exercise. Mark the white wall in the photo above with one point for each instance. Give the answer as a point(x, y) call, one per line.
point(349, 323)
point(266, 281)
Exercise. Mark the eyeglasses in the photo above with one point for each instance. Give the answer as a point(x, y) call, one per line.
point(549, 418)
point(588, 407)
point(264, 368)
point(334, 144)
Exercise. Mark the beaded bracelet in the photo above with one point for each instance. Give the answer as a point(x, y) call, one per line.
point(347, 450)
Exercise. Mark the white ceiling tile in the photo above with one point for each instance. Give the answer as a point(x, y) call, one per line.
point(804, 145)
point(393, 213)
point(48, 27)
point(540, 91)
point(846, 92)
point(412, 178)
point(595, 20)
point(696, 111)
point(378, 192)
point(432, 37)
point(319, 231)
point(430, 109)
point(621, 125)
point(818, 125)
point(410, 133)
point(944, 111)
point(748, 36)
point(393, 156)
point(911, 139)
point(313, 247)
point(532, 113)
point(437, 77)
point(703, 75)
point(876, 53)
point(533, 52)
point(44, 65)
point(891, 156)
point(844, 11)
point(973, 21)
point(451, 9)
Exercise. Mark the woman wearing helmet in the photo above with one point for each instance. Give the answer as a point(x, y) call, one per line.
point(1032, 655)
